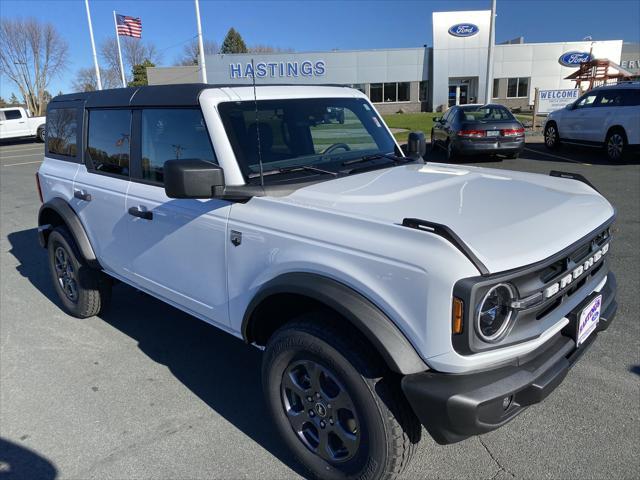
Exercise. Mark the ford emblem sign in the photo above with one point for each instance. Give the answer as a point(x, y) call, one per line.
point(574, 59)
point(463, 30)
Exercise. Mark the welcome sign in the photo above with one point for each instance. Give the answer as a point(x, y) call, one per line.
point(551, 100)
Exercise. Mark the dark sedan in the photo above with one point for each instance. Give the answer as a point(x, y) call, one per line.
point(478, 130)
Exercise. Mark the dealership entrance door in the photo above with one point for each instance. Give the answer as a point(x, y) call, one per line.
point(463, 91)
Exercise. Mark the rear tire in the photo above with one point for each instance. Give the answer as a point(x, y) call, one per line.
point(83, 291)
point(41, 134)
point(335, 404)
point(551, 136)
point(615, 145)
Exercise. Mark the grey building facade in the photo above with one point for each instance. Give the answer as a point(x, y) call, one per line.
point(452, 71)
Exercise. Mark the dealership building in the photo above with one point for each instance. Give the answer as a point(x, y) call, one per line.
point(429, 78)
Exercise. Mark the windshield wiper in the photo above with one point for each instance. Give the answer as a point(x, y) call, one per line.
point(367, 158)
point(283, 170)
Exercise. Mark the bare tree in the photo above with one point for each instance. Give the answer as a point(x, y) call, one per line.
point(189, 55)
point(134, 52)
point(260, 48)
point(31, 55)
point(86, 80)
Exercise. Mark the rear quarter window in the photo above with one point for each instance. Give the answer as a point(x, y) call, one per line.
point(61, 128)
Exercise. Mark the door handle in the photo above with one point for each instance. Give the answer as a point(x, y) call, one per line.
point(82, 195)
point(138, 212)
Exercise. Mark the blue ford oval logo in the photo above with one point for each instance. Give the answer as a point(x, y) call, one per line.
point(463, 30)
point(574, 59)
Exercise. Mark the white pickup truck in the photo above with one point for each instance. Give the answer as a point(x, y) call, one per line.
point(16, 122)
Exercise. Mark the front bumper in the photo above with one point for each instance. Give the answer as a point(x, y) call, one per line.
point(453, 407)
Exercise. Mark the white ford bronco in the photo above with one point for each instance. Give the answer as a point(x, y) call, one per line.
point(387, 293)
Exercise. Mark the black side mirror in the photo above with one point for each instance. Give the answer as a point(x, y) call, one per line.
point(416, 146)
point(192, 178)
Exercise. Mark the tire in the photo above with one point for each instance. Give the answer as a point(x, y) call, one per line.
point(373, 435)
point(449, 153)
point(41, 134)
point(83, 291)
point(551, 136)
point(615, 145)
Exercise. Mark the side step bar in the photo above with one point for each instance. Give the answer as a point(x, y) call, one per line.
point(449, 235)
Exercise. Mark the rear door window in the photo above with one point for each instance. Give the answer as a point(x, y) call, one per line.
point(108, 141)
point(610, 98)
point(170, 134)
point(12, 114)
point(61, 128)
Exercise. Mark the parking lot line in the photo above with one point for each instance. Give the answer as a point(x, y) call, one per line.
point(21, 163)
point(23, 155)
point(556, 156)
point(26, 147)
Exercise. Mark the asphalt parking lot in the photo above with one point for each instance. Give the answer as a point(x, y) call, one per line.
point(145, 391)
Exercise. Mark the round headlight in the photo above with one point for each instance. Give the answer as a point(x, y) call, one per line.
point(494, 313)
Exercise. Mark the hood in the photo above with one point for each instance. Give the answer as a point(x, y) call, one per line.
point(508, 219)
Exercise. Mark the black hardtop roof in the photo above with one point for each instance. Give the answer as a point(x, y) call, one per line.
point(176, 95)
point(185, 94)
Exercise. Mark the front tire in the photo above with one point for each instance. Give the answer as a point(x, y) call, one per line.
point(336, 407)
point(551, 136)
point(83, 291)
point(615, 146)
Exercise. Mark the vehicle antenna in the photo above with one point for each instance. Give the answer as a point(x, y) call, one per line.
point(255, 101)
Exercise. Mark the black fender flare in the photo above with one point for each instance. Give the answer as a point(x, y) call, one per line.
point(72, 222)
point(394, 347)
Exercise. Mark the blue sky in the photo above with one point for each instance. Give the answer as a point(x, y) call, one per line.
point(323, 25)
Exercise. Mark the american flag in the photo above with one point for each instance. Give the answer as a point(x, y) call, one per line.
point(129, 26)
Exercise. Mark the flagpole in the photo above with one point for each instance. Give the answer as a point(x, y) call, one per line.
point(203, 67)
point(93, 46)
point(124, 82)
point(492, 41)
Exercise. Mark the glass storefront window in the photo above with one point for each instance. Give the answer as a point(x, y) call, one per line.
point(424, 91)
point(517, 87)
point(390, 92)
point(403, 91)
point(375, 92)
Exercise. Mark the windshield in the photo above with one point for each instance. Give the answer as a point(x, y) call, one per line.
point(485, 113)
point(318, 132)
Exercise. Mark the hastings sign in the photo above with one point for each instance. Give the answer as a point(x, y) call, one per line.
point(464, 30)
point(574, 59)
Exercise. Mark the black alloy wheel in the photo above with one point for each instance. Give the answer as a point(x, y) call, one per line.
point(320, 411)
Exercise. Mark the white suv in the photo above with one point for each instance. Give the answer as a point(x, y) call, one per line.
point(606, 116)
point(387, 293)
